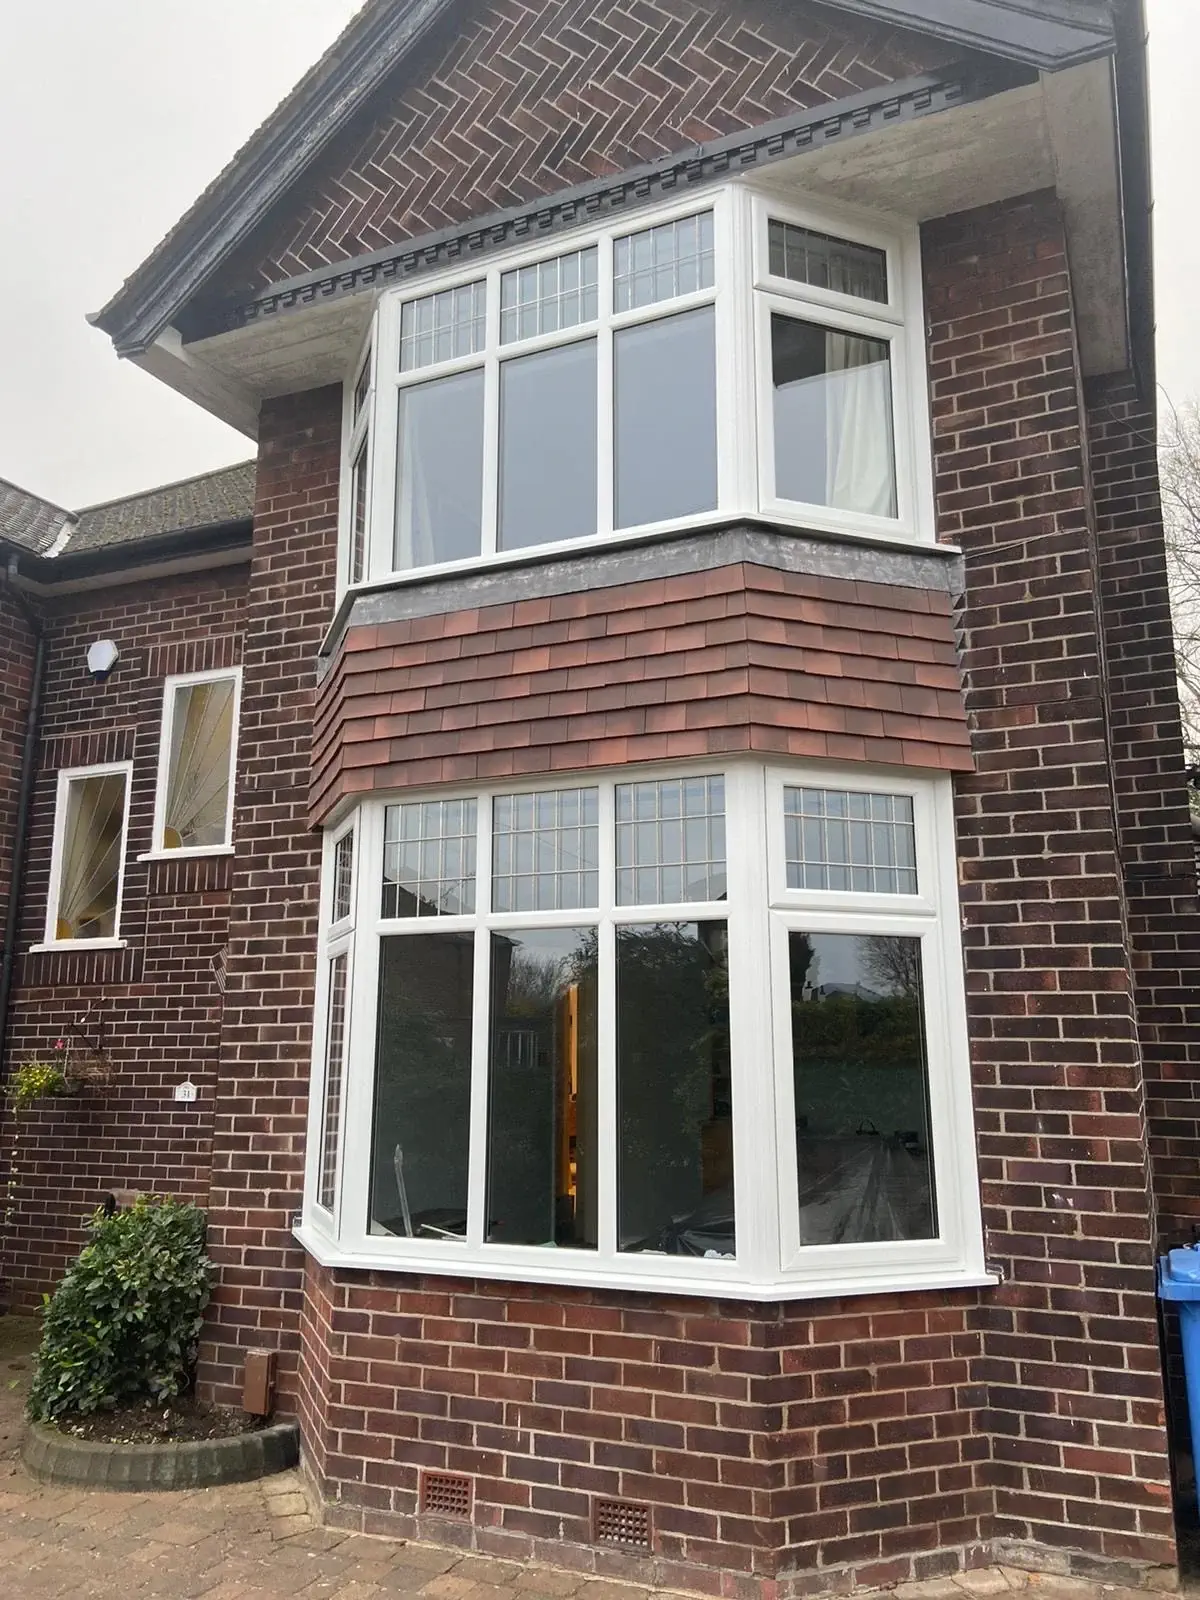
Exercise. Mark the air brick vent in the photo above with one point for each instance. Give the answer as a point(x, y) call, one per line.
point(446, 1494)
point(621, 1522)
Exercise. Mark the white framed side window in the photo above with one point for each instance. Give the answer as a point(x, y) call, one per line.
point(728, 353)
point(87, 864)
point(197, 763)
point(697, 1029)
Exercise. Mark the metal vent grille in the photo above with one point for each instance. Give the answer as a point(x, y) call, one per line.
point(446, 1494)
point(621, 1522)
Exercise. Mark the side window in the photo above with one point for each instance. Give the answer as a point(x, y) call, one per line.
point(193, 808)
point(87, 863)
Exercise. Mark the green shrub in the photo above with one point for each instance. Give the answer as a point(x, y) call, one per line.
point(124, 1322)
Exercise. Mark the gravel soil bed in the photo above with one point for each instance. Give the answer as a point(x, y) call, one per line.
point(159, 1422)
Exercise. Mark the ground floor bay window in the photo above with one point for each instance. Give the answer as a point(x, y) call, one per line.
point(692, 1029)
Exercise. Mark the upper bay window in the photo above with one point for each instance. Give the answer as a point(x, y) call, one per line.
point(698, 1029)
point(728, 356)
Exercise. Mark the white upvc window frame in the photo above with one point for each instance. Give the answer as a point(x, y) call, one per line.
point(67, 776)
point(743, 295)
point(337, 940)
point(171, 686)
point(759, 910)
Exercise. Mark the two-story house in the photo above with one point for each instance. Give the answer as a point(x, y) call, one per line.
point(662, 848)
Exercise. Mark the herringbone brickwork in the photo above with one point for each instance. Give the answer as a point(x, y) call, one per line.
point(524, 98)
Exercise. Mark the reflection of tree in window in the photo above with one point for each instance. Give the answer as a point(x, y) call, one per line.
point(861, 1087)
point(675, 1103)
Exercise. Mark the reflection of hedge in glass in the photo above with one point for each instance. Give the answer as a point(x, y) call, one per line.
point(674, 1087)
point(422, 1085)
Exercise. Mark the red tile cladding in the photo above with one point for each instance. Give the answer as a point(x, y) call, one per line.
point(740, 658)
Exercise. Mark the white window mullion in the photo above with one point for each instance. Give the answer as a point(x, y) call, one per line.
point(753, 1048)
point(490, 525)
point(381, 512)
point(477, 1155)
point(606, 1040)
point(605, 459)
point(737, 441)
point(358, 1072)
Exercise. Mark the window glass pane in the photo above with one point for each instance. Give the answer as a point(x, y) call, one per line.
point(196, 811)
point(546, 850)
point(839, 840)
point(343, 877)
point(833, 418)
point(660, 263)
point(363, 387)
point(429, 859)
point(542, 1151)
point(442, 327)
point(861, 1080)
point(548, 446)
point(91, 858)
point(335, 1046)
point(421, 1131)
point(665, 422)
point(439, 471)
point(827, 262)
point(674, 1093)
point(358, 528)
point(671, 841)
point(549, 296)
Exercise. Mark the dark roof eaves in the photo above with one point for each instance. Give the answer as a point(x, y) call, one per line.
point(373, 45)
point(231, 535)
point(283, 151)
point(1014, 31)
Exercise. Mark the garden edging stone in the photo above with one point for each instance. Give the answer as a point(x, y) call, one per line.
point(183, 1464)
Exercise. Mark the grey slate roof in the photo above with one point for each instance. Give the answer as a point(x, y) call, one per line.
point(201, 502)
point(205, 501)
point(26, 519)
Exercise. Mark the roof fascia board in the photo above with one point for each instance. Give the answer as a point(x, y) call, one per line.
point(156, 293)
point(865, 112)
point(148, 302)
point(221, 543)
point(1018, 33)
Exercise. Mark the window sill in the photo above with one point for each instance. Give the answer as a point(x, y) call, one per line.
point(204, 854)
point(66, 946)
point(458, 1263)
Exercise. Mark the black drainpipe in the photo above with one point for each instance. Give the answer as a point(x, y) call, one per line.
point(33, 723)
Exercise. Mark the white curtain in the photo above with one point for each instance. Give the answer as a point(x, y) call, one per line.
point(859, 456)
point(198, 776)
point(91, 858)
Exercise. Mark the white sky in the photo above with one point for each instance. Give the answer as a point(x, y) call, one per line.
point(114, 116)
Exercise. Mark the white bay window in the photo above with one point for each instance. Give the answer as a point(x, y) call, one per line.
point(728, 355)
point(699, 1030)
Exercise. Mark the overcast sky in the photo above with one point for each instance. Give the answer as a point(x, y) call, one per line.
point(114, 116)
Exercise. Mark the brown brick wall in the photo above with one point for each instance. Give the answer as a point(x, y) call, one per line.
point(739, 658)
point(259, 1127)
point(16, 668)
point(1071, 1358)
point(156, 1003)
point(768, 1440)
point(512, 101)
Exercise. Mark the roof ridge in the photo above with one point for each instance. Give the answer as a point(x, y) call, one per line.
point(161, 488)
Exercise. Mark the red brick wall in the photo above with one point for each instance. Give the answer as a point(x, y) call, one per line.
point(740, 658)
point(1071, 1359)
point(512, 101)
point(156, 1002)
point(266, 1031)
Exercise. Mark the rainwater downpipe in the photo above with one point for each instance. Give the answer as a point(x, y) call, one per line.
point(20, 839)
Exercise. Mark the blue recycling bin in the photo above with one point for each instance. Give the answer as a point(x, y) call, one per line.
point(1179, 1280)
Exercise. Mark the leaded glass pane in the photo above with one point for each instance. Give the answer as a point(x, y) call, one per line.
point(546, 850)
point(343, 876)
point(429, 859)
point(549, 296)
point(671, 841)
point(661, 263)
point(843, 840)
point(443, 326)
point(827, 262)
point(335, 1049)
